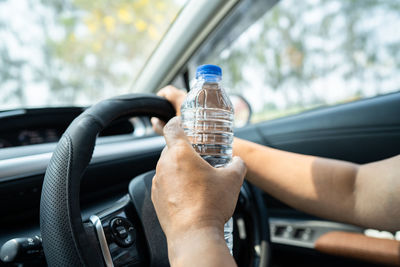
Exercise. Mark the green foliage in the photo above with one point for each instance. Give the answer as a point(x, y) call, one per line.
point(90, 49)
point(302, 42)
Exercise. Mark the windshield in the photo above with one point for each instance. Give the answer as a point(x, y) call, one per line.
point(76, 52)
point(301, 55)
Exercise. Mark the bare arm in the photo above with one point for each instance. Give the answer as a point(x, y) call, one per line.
point(367, 195)
point(193, 200)
point(202, 247)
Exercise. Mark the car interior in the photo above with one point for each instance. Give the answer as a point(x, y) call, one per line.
point(318, 78)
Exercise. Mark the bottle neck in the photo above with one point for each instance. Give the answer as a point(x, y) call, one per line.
point(209, 78)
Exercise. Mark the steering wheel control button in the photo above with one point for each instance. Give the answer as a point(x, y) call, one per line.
point(123, 232)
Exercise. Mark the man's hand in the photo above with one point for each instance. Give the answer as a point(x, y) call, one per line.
point(193, 200)
point(173, 95)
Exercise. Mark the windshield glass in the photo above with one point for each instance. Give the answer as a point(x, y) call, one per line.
point(76, 52)
point(301, 55)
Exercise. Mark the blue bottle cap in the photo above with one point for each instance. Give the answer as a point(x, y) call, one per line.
point(208, 70)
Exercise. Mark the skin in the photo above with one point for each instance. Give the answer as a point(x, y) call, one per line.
point(366, 195)
point(192, 201)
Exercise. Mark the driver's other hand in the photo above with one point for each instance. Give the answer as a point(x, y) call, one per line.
point(173, 95)
point(189, 194)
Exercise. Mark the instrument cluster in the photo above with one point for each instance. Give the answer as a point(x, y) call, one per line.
point(29, 137)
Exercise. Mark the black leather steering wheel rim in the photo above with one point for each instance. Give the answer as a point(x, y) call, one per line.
point(64, 239)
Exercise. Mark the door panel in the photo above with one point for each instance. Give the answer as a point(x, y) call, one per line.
point(361, 132)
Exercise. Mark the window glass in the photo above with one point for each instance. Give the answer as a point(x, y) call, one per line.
point(76, 52)
point(306, 54)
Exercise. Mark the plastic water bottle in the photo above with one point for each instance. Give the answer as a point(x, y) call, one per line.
point(207, 119)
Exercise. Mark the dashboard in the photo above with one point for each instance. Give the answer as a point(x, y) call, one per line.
point(24, 127)
point(126, 148)
point(30, 136)
point(46, 125)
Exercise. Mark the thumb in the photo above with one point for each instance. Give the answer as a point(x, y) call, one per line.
point(174, 134)
point(236, 169)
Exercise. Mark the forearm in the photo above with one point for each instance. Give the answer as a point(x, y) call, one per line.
point(319, 186)
point(377, 203)
point(200, 247)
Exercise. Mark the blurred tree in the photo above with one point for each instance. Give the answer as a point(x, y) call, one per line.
point(89, 50)
point(301, 42)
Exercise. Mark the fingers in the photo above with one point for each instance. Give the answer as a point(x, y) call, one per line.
point(174, 134)
point(158, 125)
point(166, 91)
point(173, 95)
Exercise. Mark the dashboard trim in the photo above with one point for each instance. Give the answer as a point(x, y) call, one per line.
point(11, 113)
point(22, 166)
point(312, 228)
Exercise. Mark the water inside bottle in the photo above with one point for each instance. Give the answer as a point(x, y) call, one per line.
point(207, 119)
point(210, 133)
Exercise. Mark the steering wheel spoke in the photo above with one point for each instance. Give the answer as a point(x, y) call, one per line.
point(128, 232)
point(119, 236)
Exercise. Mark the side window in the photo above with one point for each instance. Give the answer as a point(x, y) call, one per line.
point(306, 54)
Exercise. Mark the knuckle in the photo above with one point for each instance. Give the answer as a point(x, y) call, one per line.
point(167, 129)
point(180, 150)
point(237, 175)
point(170, 127)
point(235, 172)
point(167, 92)
point(163, 91)
point(240, 169)
point(154, 184)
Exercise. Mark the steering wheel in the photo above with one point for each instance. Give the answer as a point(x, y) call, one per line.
point(128, 233)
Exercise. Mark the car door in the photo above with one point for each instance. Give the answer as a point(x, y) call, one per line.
point(361, 132)
point(321, 79)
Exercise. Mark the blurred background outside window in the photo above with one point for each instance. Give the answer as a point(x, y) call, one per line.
point(307, 54)
point(76, 52)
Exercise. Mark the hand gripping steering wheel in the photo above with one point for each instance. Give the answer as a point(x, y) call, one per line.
point(68, 241)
